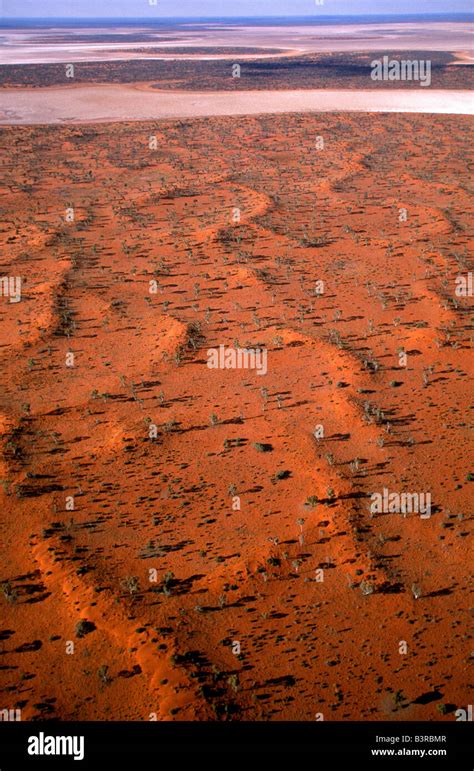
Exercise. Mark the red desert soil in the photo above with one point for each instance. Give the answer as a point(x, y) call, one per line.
point(142, 538)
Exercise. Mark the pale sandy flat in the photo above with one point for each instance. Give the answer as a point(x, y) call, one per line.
point(124, 102)
point(23, 46)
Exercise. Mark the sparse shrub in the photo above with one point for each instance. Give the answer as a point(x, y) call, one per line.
point(398, 698)
point(416, 591)
point(9, 592)
point(131, 584)
point(366, 587)
point(262, 447)
point(103, 674)
point(84, 627)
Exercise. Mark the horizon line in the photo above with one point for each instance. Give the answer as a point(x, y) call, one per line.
point(265, 16)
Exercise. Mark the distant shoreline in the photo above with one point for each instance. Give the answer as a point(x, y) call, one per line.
point(264, 21)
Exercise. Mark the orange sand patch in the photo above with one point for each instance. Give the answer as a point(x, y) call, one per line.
point(156, 450)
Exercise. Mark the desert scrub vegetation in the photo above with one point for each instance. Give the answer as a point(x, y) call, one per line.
point(194, 336)
point(263, 446)
point(9, 592)
point(84, 627)
point(130, 584)
point(103, 675)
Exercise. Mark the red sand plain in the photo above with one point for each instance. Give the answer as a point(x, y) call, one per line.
point(166, 648)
